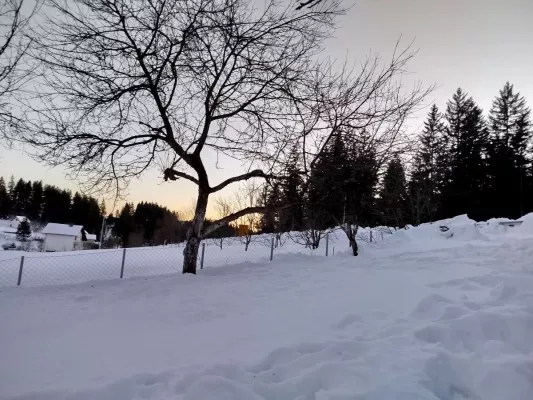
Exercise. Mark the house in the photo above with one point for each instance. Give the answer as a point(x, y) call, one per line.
point(62, 237)
point(15, 222)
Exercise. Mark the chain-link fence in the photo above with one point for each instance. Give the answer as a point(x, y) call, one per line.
point(40, 269)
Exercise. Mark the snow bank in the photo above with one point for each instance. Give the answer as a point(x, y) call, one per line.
point(526, 228)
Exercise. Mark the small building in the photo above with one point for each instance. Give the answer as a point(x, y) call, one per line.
point(15, 222)
point(62, 237)
point(243, 230)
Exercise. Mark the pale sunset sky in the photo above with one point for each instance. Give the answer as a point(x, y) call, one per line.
point(475, 44)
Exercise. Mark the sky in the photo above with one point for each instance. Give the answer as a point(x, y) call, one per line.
point(477, 45)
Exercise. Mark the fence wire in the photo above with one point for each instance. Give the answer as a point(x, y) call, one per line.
point(42, 269)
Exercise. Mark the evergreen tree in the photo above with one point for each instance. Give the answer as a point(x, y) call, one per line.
point(36, 202)
point(325, 195)
point(27, 198)
point(77, 209)
point(271, 199)
point(102, 208)
point(125, 224)
point(430, 164)
point(11, 194)
point(56, 205)
point(93, 219)
point(5, 202)
point(466, 138)
point(291, 218)
point(19, 198)
point(393, 203)
point(23, 231)
point(361, 178)
point(510, 136)
point(148, 217)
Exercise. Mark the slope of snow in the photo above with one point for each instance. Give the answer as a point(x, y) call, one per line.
point(416, 316)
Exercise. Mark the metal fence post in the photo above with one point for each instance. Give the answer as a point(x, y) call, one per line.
point(20, 270)
point(272, 250)
point(123, 261)
point(370, 235)
point(327, 244)
point(202, 258)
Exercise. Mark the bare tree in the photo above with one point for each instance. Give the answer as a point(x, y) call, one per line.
point(128, 84)
point(14, 45)
point(248, 196)
point(223, 207)
point(307, 3)
point(309, 237)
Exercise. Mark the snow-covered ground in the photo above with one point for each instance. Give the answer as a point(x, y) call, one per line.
point(422, 314)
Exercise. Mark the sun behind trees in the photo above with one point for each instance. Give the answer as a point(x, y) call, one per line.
point(132, 84)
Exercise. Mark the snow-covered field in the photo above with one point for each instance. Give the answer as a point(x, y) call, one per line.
point(420, 315)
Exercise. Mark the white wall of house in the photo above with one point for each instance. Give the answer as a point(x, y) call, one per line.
point(54, 242)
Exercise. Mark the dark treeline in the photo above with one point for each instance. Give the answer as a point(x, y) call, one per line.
point(152, 224)
point(143, 224)
point(465, 163)
point(45, 203)
point(147, 224)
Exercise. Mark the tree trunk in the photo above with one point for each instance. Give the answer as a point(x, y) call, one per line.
point(194, 233)
point(351, 232)
point(353, 245)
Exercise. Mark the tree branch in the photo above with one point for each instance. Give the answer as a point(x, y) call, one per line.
point(173, 175)
point(244, 177)
point(213, 226)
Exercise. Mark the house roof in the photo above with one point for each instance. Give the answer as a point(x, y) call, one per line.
point(90, 236)
point(62, 229)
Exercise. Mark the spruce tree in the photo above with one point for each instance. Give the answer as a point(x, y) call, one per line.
point(429, 169)
point(19, 198)
point(23, 231)
point(325, 195)
point(361, 178)
point(77, 209)
point(36, 202)
point(27, 198)
point(510, 136)
point(5, 203)
point(466, 138)
point(125, 224)
point(271, 199)
point(11, 194)
point(102, 206)
point(291, 218)
point(393, 203)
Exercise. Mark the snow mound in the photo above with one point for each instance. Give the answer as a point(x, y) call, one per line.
point(466, 233)
point(458, 220)
point(526, 228)
point(460, 228)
